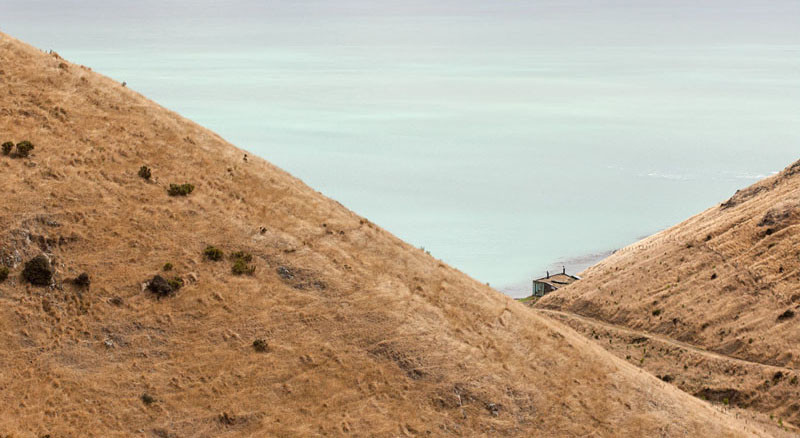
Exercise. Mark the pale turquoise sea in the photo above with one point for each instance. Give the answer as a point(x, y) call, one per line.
point(506, 137)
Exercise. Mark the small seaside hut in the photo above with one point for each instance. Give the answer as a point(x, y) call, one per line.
point(549, 283)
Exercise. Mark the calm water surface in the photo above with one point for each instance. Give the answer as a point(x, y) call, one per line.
point(504, 137)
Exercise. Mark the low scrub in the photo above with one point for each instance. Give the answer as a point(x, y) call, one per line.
point(175, 283)
point(213, 253)
point(260, 345)
point(160, 286)
point(180, 189)
point(241, 264)
point(148, 399)
point(38, 271)
point(82, 280)
point(789, 314)
point(24, 149)
point(240, 267)
point(3, 273)
point(145, 173)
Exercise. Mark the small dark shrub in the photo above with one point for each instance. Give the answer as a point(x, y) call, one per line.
point(213, 253)
point(82, 280)
point(714, 276)
point(3, 273)
point(167, 267)
point(240, 267)
point(260, 346)
point(180, 189)
point(159, 286)
point(145, 173)
point(786, 315)
point(7, 147)
point(148, 399)
point(38, 271)
point(175, 283)
point(24, 148)
point(656, 312)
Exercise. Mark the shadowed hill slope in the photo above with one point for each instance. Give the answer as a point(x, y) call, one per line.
point(726, 280)
point(342, 329)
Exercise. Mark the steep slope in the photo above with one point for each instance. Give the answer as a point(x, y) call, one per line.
point(342, 329)
point(726, 280)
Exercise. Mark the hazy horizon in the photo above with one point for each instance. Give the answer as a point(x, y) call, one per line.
point(504, 138)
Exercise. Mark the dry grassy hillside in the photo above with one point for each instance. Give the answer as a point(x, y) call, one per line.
point(342, 329)
point(726, 280)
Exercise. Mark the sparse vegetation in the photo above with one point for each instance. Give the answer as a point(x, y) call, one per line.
point(656, 312)
point(445, 354)
point(3, 273)
point(213, 253)
point(144, 172)
point(788, 314)
point(175, 283)
point(38, 271)
point(160, 286)
point(7, 148)
point(180, 189)
point(24, 149)
point(240, 267)
point(148, 399)
point(82, 280)
point(260, 345)
point(241, 264)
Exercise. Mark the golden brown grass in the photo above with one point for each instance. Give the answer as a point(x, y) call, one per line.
point(363, 334)
point(726, 280)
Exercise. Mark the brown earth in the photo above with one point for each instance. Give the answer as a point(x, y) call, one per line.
point(342, 329)
point(726, 281)
point(754, 391)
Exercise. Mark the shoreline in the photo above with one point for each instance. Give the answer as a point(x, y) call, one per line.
point(574, 266)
